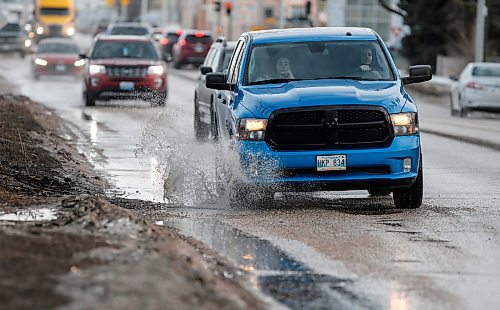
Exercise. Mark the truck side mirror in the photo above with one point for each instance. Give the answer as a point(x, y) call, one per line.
point(418, 73)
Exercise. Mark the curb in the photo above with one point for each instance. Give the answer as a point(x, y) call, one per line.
point(470, 140)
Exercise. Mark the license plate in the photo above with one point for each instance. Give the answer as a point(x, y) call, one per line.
point(60, 68)
point(198, 48)
point(126, 85)
point(331, 162)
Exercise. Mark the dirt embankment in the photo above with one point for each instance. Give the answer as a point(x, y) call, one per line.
point(94, 254)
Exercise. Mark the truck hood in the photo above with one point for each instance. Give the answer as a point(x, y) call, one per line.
point(58, 58)
point(133, 62)
point(262, 100)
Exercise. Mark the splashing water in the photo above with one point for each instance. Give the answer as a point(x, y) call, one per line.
point(187, 165)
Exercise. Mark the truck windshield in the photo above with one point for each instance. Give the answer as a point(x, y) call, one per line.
point(54, 11)
point(280, 62)
point(137, 50)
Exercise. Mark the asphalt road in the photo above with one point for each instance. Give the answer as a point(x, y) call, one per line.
point(320, 250)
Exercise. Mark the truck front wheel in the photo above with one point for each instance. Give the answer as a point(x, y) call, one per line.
point(411, 197)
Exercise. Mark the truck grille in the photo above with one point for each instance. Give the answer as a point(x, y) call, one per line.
point(329, 127)
point(129, 72)
point(55, 30)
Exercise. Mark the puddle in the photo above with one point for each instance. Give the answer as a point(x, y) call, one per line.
point(45, 214)
point(272, 271)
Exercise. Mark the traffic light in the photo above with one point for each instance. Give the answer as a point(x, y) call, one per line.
point(217, 6)
point(228, 5)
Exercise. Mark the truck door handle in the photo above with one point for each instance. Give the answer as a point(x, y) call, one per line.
point(227, 124)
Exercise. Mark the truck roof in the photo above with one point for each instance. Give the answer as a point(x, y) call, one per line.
point(312, 34)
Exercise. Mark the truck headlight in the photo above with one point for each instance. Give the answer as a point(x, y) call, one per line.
point(70, 31)
point(79, 63)
point(41, 62)
point(96, 69)
point(251, 129)
point(39, 30)
point(404, 123)
point(155, 70)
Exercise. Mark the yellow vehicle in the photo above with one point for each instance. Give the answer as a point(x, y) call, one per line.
point(55, 18)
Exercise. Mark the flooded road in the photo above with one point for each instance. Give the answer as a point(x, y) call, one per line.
point(321, 250)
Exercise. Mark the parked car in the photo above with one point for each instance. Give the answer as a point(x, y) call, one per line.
point(131, 29)
point(13, 38)
point(57, 56)
point(477, 89)
point(317, 109)
point(124, 67)
point(192, 48)
point(168, 41)
point(217, 60)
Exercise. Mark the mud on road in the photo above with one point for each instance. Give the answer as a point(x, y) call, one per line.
point(88, 252)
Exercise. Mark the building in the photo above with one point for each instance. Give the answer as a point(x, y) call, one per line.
point(366, 13)
point(266, 14)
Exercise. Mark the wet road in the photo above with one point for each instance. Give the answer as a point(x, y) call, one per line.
point(343, 250)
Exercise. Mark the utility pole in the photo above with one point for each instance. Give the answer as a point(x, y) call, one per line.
point(164, 12)
point(480, 21)
point(144, 10)
point(282, 14)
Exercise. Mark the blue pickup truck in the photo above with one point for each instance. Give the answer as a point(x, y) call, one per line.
point(318, 109)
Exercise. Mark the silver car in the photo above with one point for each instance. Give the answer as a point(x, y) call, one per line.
point(477, 89)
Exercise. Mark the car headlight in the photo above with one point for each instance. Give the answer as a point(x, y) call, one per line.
point(79, 63)
point(156, 70)
point(27, 43)
point(96, 69)
point(41, 62)
point(39, 30)
point(404, 123)
point(251, 129)
point(70, 31)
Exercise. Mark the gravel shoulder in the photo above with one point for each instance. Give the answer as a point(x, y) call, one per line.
point(88, 252)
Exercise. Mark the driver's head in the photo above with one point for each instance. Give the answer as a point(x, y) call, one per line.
point(283, 66)
point(366, 56)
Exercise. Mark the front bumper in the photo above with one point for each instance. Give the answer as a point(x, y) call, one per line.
point(373, 168)
point(109, 88)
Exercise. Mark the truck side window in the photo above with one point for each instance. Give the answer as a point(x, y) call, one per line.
point(236, 72)
point(232, 64)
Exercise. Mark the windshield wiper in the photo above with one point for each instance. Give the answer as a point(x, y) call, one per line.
point(274, 81)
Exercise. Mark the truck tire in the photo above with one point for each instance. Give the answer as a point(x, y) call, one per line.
point(411, 197)
point(201, 130)
point(89, 99)
point(242, 197)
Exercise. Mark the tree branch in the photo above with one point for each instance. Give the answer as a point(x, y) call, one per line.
point(392, 9)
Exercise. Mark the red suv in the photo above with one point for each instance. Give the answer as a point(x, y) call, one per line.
point(192, 48)
point(124, 67)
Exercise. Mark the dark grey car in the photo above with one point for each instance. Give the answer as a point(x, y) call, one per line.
point(12, 39)
point(217, 60)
